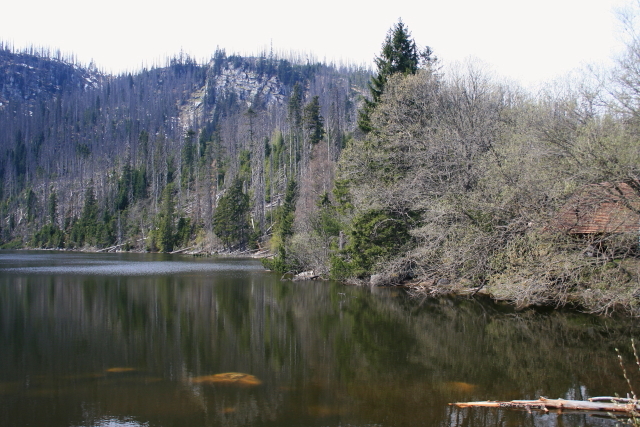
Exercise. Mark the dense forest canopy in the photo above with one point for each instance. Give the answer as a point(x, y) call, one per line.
point(417, 172)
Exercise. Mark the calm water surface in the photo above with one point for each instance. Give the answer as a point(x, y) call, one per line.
point(141, 340)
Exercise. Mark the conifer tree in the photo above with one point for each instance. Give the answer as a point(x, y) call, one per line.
point(85, 229)
point(283, 230)
point(230, 220)
point(52, 207)
point(166, 229)
point(376, 234)
point(313, 121)
point(399, 54)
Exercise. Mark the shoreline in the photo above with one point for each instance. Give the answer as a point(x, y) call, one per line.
point(581, 300)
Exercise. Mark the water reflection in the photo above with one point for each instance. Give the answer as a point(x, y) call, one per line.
point(180, 344)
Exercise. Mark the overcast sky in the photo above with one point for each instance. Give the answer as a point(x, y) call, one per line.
point(527, 41)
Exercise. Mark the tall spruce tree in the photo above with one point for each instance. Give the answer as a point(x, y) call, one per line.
point(399, 54)
point(313, 121)
point(282, 232)
point(231, 218)
point(378, 234)
point(165, 237)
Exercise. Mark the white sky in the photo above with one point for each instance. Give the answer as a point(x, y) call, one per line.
point(527, 41)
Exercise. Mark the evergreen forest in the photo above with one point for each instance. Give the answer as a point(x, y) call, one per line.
point(439, 176)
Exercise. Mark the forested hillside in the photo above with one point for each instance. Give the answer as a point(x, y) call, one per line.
point(438, 176)
point(163, 159)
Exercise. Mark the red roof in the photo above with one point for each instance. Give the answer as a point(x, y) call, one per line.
point(601, 208)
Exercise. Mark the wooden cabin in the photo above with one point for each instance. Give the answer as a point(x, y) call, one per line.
point(603, 208)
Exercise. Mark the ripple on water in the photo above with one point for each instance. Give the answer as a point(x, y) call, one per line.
point(132, 268)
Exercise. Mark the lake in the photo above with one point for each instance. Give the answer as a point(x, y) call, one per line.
point(170, 340)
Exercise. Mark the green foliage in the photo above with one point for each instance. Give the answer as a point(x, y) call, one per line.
point(213, 155)
point(284, 226)
point(280, 263)
point(171, 169)
point(295, 106)
point(122, 198)
point(90, 229)
point(50, 236)
point(319, 234)
point(326, 221)
point(313, 121)
point(244, 173)
point(399, 55)
point(283, 230)
point(13, 244)
point(183, 232)
point(342, 195)
point(132, 186)
point(83, 150)
point(375, 236)
point(275, 160)
point(84, 229)
point(32, 205)
point(188, 158)
point(165, 236)
point(19, 159)
point(231, 217)
point(52, 207)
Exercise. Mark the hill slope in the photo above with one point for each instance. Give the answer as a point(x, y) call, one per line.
point(91, 160)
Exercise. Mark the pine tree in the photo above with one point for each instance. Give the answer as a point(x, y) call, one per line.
point(230, 220)
point(399, 55)
point(166, 231)
point(85, 229)
point(313, 121)
point(283, 230)
point(377, 234)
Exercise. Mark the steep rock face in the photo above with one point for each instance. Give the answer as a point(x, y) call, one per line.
point(191, 111)
point(248, 86)
point(25, 77)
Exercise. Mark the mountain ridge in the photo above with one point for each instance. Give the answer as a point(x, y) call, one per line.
point(198, 127)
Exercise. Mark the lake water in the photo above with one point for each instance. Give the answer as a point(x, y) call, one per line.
point(146, 340)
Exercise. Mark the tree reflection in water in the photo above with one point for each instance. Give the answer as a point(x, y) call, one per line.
point(93, 349)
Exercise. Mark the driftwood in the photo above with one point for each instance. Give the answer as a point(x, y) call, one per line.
point(111, 248)
point(596, 404)
point(306, 275)
point(118, 246)
point(179, 251)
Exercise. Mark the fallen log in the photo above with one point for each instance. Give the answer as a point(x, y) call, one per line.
point(596, 404)
point(306, 275)
point(179, 251)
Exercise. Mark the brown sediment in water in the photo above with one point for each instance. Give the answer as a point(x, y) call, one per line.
point(230, 378)
point(460, 386)
point(119, 370)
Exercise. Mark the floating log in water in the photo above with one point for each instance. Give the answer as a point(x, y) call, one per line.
point(596, 404)
point(119, 370)
point(228, 378)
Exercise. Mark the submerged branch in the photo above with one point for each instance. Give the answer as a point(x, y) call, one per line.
point(596, 404)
